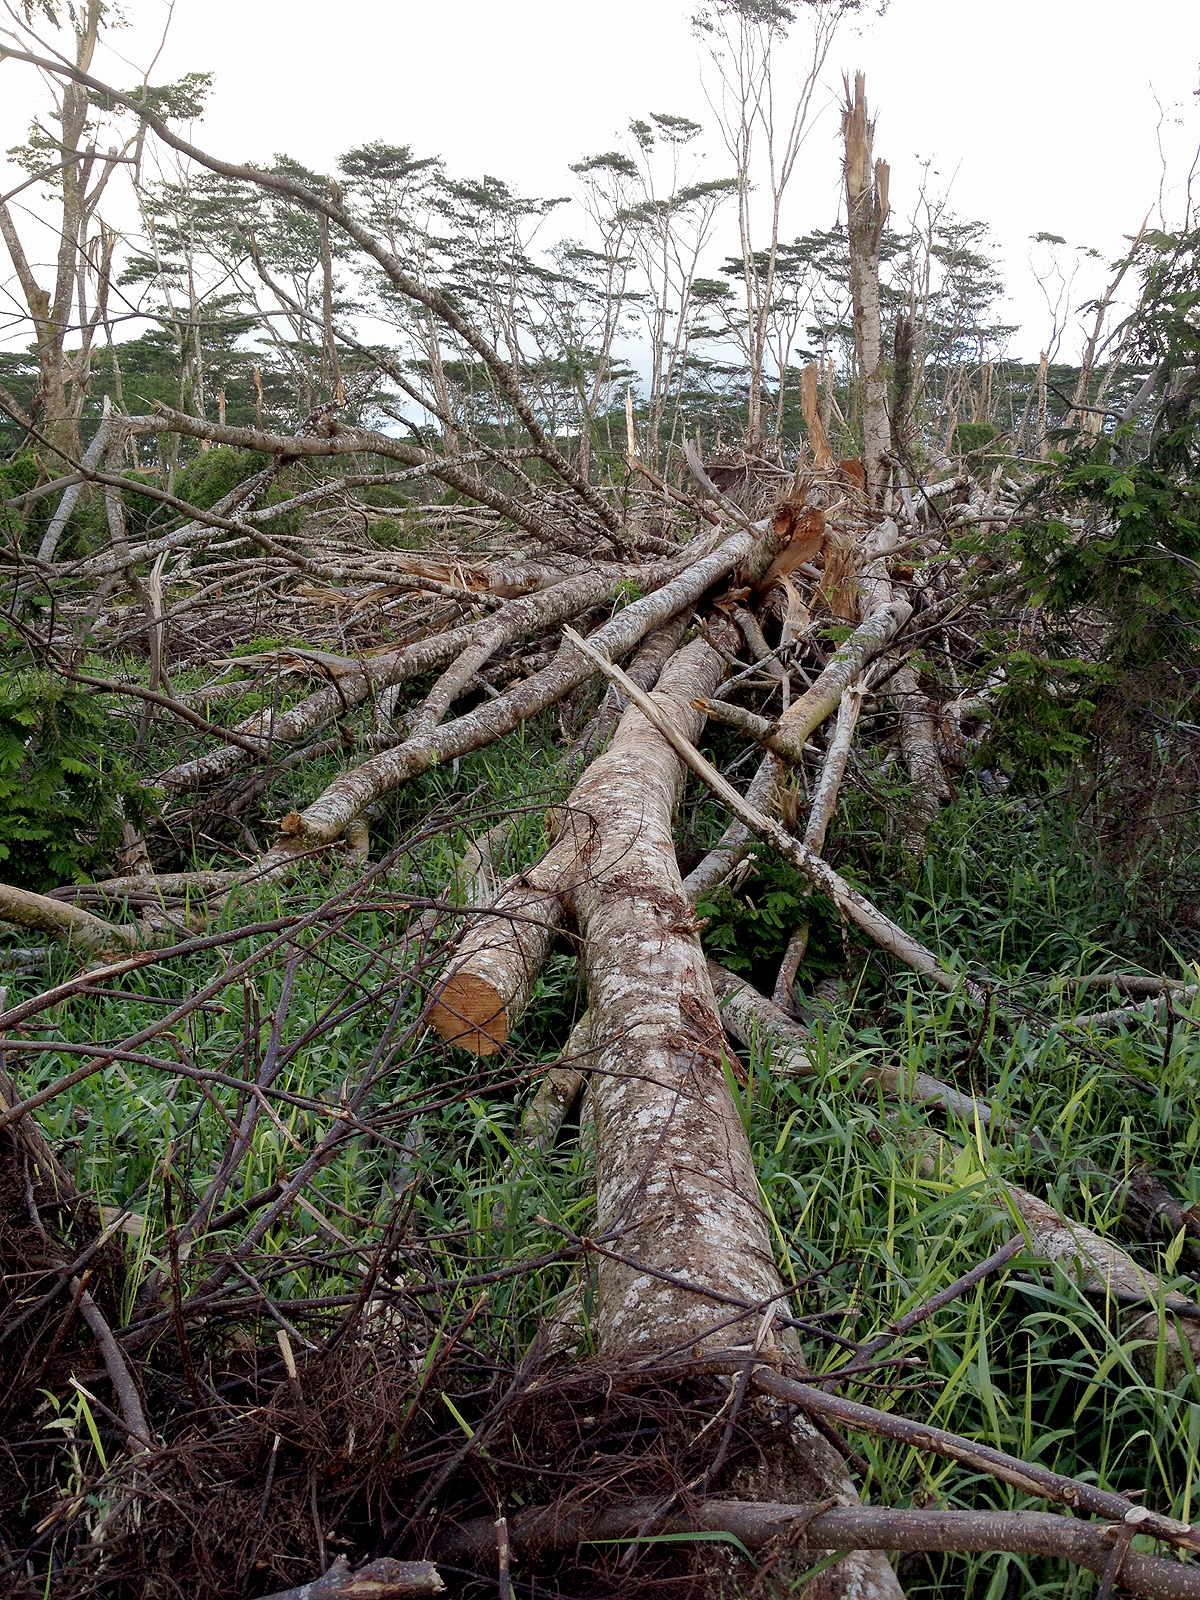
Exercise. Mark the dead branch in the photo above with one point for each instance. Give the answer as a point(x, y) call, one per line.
point(854, 906)
point(818, 1526)
point(378, 1580)
point(1027, 1476)
point(788, 736)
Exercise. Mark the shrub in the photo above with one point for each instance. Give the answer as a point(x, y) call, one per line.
point(64, 797)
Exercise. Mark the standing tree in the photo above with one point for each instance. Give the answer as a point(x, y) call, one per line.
point(744, 38)
point(66, 161)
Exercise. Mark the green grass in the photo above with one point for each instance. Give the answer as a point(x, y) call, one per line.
point(1025, 1361)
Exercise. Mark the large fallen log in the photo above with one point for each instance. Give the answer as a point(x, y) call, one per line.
point(490, 979)
point(673, 1163)
point(855, 907)
point(79, 928)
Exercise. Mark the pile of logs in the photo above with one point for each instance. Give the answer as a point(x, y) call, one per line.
point(793, 607)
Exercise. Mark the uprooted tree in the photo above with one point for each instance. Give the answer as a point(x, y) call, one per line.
point(258, 624)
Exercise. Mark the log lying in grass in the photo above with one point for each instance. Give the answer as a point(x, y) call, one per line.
point(765, 1526)
point(1103, 1270)
point(757, 1023)
point(489, 982)
point(491, 978)
point(673, 1162)
point(659, 1094)
point(1100, 1267)
point(79, 928)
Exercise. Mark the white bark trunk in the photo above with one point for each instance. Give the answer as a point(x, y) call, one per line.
point(673, 1164)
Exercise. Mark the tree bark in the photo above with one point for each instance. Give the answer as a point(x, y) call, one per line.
point(490, 980)
point(763, 1524)
point(866, 214)
point(80, 929)
point(673, 1164)
point(918, 730)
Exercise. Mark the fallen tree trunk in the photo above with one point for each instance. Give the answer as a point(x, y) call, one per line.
point(490, 979)
point(79, 928)
point(379, 1580)
point(787, 737)
point(1101, 1269)
point(769, 1526)
point(674, 1169)
point(323, 820)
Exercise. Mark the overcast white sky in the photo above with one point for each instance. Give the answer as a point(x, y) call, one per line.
point(1041, 114)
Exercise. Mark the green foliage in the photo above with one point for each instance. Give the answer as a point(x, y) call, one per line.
point(210, 475)
point(183, 101)
point(19, 474)
point(64, 796)
point(1112, 559)
point(973, 438)
point(1044, 714)
point(1137, 557)
point(748, 928)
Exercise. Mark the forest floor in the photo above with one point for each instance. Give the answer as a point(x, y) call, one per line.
point(409, 1345)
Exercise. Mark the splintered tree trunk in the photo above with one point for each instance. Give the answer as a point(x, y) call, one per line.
point(674, 1169)
point(867, 211)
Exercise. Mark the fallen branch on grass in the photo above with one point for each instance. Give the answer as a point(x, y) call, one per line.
point(763, 1526)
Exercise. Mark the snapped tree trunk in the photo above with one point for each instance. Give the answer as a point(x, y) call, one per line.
point(866, 214)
